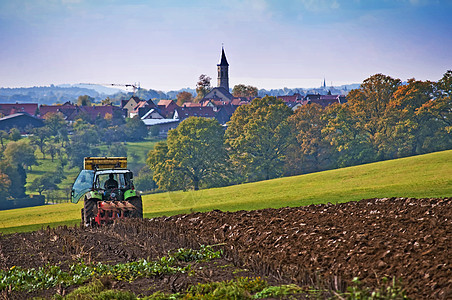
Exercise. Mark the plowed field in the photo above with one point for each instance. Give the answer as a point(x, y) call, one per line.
point(323, 245)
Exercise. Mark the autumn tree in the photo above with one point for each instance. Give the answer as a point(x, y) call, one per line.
point(257, 138)
point(363, 115)
point(5, 184)
point(242, 90)
point(192, 157)
point(202, 87)
point(310, 151)
point(15, 178)
point(183, 97)
point(404, 133)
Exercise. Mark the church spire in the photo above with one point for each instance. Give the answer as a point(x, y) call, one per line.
point(223, 71)
point(223, 61)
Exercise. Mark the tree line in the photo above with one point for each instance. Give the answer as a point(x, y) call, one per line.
point(66, 143)
point(383, 119)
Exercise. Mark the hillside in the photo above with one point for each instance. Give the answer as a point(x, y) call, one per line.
point(421, 176)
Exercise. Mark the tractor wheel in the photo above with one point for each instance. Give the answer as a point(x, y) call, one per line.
point(136, 201)
point(88, 212)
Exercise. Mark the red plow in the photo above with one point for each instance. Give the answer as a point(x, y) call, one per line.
point(109, 211)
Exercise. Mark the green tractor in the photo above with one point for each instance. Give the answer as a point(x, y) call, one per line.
point(107, 187)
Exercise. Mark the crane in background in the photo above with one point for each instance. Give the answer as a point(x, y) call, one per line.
point(135, 86)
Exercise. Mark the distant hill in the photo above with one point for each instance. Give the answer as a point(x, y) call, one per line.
point(66, 92)
point(335, 90)
point(46, 94)
point(98, 88)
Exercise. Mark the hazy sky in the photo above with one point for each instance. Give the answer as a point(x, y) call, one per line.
point(166, 45)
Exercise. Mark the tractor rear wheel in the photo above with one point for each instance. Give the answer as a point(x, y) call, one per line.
point(137, 202)
point(88, 212)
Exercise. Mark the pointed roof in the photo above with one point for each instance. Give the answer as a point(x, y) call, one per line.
point(224, 61)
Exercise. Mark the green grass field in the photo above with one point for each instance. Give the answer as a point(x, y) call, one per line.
point(427, 175)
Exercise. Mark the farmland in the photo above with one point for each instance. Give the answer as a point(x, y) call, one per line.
point(318, 248)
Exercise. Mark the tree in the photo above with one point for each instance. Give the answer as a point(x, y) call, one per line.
point(20, 153)
point(52, 149)
point(117, 149)
point(367, 108)
point(85, 100)
point(55, 122)
point(183, 97)
point(202, 87)
point(43, 183)
point(40, 137)
point(311, 152)
point(444, 85)
point(258, 136)
point(144, 181)
point(5, 184)
point(242, 90)
point(83, 143)
point(14, 134)
point(135, 129)
point(107, 101)
point(17, 179)
point(193, 156)
point(404, 133)
point(3, 136)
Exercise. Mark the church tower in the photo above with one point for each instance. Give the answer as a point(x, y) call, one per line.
point(223, 71)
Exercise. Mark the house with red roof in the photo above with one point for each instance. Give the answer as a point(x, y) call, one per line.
point(192, 104)
point(167, 107)
point(65, 109)
point(7, 109)
point(292, 98)
point(142, 108)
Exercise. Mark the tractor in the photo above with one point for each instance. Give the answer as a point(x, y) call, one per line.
point(107, 187)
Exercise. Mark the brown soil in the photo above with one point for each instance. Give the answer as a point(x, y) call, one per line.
point(322, 245)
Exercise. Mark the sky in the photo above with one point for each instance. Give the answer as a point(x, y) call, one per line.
point(167, 45)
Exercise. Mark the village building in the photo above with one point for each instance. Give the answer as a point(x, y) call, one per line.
point(7, 109)
point(221, 92)
point(130, 105)
point(24, 122)
point(182, 113)
point(161, 125)
point(167, 107)
point(153, 114)
point(142, 108)
point(324, 100)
